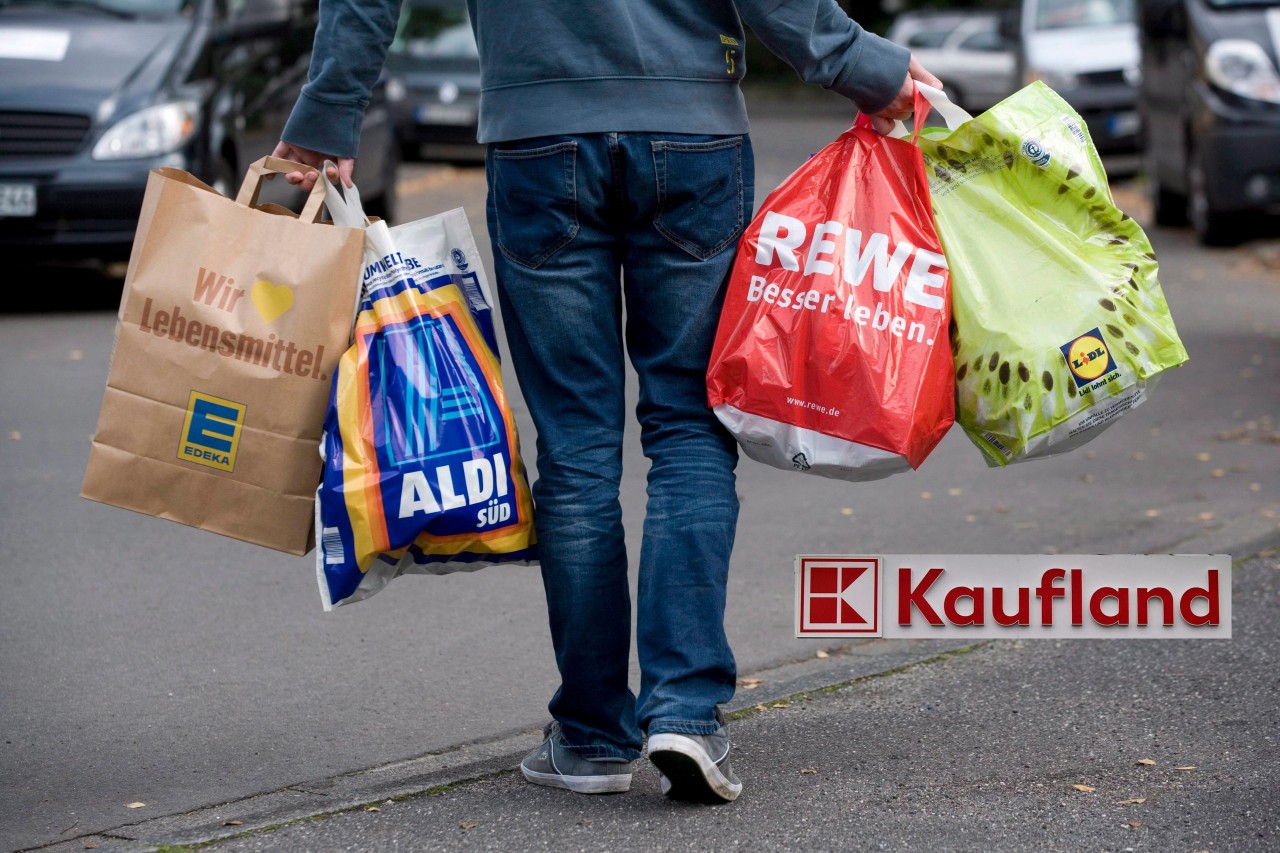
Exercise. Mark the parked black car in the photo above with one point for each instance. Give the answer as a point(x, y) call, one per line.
point(1211, 103)
point(96, 93)
point(433, 70)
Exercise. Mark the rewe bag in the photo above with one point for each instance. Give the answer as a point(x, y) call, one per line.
point(832, 352)
point(230, 327)
point(1060, 324)
point(422, 466)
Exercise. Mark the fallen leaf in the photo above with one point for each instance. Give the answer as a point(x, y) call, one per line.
point(1207, 516)
point(75, 355)
point(761, 707)
point(1147, 761)
point(233, 823)
point(90, 846)
point(1085, 788)
point(779, 705)
point(954, 492)
point(926, 495)
point(1135, 823)
point(1187, 767)
point(846, 510)
point(1255, 487)
point(749, 683)
point(1136, 801)
point(1153, 513)
point(970, 519)
point(17, 436)
point(1002, 508)
point(469, 824)
point(373, 809)
point(1203, 457)
point(823, 654)
point(808, 771)
point(135, 805)
point(1137, 455)
point(1218, 473)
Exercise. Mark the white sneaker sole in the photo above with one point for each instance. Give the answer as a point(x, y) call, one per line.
point(616, 784)
point(688, 771)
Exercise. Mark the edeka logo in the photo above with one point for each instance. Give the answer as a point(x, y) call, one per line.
point(839, 597)
point(1163, 596)
point(1088, 357)
point(211, 431)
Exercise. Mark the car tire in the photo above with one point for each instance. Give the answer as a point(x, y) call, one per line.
point(383, 205)
point(223, 178)
point(1213, 226)
point(1167, 207)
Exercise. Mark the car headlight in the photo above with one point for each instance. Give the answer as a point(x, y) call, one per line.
point(1242, 68)
point(1059, 81)
point(147, 133)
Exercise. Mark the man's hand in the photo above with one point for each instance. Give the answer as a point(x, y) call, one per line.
point(307, 180)
point(900, 108)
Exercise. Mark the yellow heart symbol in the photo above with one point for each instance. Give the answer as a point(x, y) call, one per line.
point(271, 300)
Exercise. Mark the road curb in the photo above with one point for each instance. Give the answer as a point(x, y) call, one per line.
point(839, 666)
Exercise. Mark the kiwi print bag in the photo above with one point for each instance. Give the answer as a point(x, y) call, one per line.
point(1059, 324)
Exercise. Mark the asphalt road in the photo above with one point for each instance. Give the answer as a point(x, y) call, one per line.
point(145, 662)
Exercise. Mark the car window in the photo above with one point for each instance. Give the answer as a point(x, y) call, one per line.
point(1062, 14)
point(988, 41)
point(928, 38)
point(435, 31)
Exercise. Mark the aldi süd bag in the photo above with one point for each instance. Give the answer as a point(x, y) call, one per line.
point(231, 323)
point(422, 468)
point(1060, 323)
point(832, 352)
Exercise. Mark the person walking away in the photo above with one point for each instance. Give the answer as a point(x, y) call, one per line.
point(620, 178)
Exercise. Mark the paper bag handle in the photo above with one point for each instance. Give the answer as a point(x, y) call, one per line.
point(258, 169)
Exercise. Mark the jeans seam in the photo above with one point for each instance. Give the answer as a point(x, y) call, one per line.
point(660, 175)
point(571, 184)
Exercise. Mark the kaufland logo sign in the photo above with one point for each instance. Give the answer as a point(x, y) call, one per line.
point(917, 596)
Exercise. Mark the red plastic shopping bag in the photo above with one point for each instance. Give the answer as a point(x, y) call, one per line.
point(832, 355)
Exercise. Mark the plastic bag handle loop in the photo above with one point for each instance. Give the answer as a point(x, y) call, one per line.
point(952, 115)
point(344, 205)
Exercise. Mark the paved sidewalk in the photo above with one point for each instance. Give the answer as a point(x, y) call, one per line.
point(978, 748)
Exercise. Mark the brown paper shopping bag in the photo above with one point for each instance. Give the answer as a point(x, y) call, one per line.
point(232, 322)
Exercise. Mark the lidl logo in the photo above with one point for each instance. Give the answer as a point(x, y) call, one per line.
point(1088, 357)
point(211, 431)
point(838, 597)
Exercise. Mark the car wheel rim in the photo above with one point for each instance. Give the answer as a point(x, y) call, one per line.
point(1198, 201)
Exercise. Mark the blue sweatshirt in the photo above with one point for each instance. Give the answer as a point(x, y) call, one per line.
point(593, 66)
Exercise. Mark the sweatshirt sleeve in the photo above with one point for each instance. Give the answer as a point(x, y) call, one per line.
point(824, 46)
point(351, 44)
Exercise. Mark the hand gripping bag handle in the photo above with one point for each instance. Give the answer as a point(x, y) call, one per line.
point(952, 115)
point(258, 169)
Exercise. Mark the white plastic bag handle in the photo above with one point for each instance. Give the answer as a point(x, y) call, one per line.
point(952, 115)
point(344, 205)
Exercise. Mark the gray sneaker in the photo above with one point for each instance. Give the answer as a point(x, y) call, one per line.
point(695, 767)
point(557, 766)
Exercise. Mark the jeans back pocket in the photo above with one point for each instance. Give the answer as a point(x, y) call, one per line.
point(534, 196)
point(699, 194)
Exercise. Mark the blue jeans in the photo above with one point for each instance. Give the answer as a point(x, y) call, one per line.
point(609, 246)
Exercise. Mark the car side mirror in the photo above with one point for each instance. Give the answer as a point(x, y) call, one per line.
point(1010, 26)
point(261, 17)
point(1163, 17)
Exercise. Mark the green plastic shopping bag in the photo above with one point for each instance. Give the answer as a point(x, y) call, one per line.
point(1059, 324)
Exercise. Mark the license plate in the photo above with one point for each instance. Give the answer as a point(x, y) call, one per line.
point(17, 199)
point(1122, 124)
point(446, 114)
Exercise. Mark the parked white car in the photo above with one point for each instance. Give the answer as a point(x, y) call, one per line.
point(965, 50)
